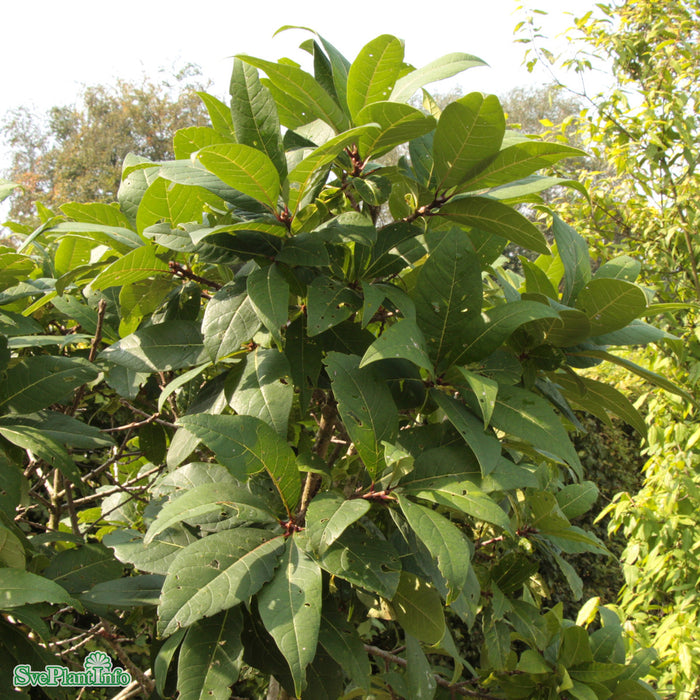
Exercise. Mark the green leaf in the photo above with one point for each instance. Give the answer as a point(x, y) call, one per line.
point(228, 500)
point(119, 238)
point(245, 169)
point(652, 377)
point(446, 544)
point(577, 499)
point(139, 264)
point(373, 73)
point(265, 389)
point(159, 348)
point(62, 428)
point(156, 558)
point(365, 406)
point(81, 567)
point(522, 413)
point(419, 609)
point(193, 174)
point(254, 113)
point(342, 642)
point(290, 608)
point(12, 324)
point(229, 321)
point(398, 123)
point(448, 296)
point(217, 573)
point(190, 139)
point(610, 304)
point(573, 250)
point(419, 674)
point(403, 339)
point(11, 549)
point(444, 67)
point(174, 203)
point(33, 439)
point(495, 217)
point(364, 561)
point(532, 662)
point(497, 326)
point(520, 160)
point(485, 446)
point(468, 135)
point(485, 390)
point(179, 381)
point(129, 592)
point(575, 647)
point(247, 445)
point(219, 114)
point(304, 92)
point(598, 398)
point(330, 302)
point(329, 515)
point(572, 578)
point(19, 587)
point(635, 333)
point(304, 176)
point(164, 657)
point(210, 657)
point(36, 382)
point(96, 213)
point(269, 294)
point(463, 497)
point(621, 268)
point(7, 188)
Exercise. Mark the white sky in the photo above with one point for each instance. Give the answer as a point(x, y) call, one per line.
point(51, 48)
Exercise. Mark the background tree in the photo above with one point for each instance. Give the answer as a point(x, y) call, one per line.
point(74, 153)
point(645, 126)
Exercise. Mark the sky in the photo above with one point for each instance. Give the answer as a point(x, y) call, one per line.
point(50, 49)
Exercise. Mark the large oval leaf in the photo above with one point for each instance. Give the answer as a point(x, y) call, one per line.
point(217, 573)
point(373, 73)
point(245, 169)
point(610, 304)
point(468, 135)
point(210, 657)
point(36, 382)
point(364, 403)
point(290, 608)
point(165, 346)
point(246, 445)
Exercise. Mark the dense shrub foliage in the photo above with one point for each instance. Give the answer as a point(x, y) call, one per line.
point(283, 411)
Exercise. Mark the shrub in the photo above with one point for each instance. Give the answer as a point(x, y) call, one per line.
point(248, 426)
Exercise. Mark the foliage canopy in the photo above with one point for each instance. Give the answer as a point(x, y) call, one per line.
point(247, 422)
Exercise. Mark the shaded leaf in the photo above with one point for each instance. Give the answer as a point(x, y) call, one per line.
point(217, 573)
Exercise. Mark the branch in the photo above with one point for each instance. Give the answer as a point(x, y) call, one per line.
point(323, 441)
point(457, 689)
point(143, 679)
point(427, 209)
point(183, 272)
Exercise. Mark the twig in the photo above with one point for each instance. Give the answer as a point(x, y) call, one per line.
point(119, 487)
point(426, 209)
point(142, 678)
point(68, 492)
point(132, 690)
point(129, 426)
point(453, 688)
point(183, 272)
point(139, 412)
